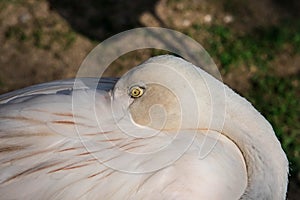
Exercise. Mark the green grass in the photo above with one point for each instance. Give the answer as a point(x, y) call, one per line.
point(278, 100)
point(40, 38)
point(258, 47)
point(41, 32)
point(275, 97)
point(15, 32)
point(233, 50)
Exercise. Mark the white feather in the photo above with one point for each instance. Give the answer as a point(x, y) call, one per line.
point(61, 143)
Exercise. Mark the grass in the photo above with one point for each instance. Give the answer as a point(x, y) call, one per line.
point(277, 98)
point(40, 31)
point(256, 48)
point(15, 32)
point(40, 38)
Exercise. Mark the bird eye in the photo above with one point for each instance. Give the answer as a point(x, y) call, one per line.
point(136, 91)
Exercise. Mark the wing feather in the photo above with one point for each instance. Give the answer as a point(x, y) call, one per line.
point(60, 86)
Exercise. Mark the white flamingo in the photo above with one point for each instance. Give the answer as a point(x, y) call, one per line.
point(137, 140)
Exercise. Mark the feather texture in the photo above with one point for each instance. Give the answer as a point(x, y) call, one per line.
point(62, 142)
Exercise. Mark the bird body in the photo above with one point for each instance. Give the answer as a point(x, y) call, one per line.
point(181, 135)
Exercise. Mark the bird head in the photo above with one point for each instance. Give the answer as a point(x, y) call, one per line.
point(168, 93)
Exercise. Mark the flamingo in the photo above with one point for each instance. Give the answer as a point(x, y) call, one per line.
point(164, 130)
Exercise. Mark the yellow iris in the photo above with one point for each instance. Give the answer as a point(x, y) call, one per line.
point(136, 92)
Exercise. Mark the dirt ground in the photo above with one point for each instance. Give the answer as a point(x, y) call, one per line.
point(44, 40)
point(47, 40)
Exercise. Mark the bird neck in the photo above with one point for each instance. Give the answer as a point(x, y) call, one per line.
point(267, 165)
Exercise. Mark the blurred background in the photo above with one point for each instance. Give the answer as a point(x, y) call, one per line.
point(255, 44)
